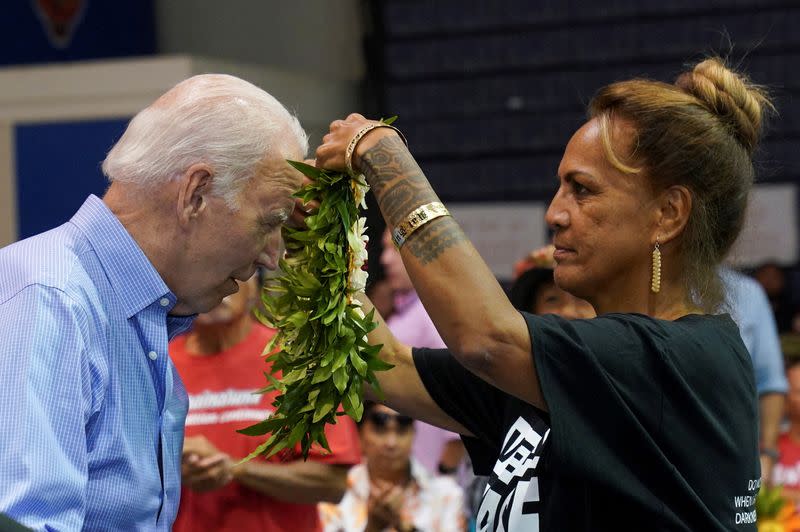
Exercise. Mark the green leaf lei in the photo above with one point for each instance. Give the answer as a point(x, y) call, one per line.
point(324, 357)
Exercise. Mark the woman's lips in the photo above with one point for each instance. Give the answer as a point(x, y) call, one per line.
point(561, 253)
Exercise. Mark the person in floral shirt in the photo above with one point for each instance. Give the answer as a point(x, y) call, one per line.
point(390, 491)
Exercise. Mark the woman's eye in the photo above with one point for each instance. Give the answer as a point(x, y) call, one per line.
point(580, 189)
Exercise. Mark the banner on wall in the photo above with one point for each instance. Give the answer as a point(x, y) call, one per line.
point(47, 31)
point(60, 18)
point(502, 233)
point(770, 230)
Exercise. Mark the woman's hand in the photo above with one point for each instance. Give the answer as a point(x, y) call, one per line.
point(331, 153)
point(301, 209)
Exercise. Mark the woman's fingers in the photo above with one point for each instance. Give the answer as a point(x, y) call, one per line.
point(331, 153)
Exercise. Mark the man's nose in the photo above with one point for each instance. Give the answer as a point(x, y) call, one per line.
point(391, 439)
point(271, 253)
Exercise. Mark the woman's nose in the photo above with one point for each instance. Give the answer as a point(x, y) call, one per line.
point(557, 215)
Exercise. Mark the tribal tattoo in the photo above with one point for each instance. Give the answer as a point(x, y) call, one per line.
point(400, 187)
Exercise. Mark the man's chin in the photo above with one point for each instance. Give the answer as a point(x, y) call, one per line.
point(182, 310)
point(189, 308)
point(200, 304)
point(209, 305)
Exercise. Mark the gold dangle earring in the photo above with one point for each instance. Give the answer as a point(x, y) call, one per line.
point(655, 281)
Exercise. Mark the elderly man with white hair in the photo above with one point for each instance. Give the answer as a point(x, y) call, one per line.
point(91, 405)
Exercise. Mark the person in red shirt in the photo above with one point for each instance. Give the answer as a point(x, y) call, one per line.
point(787, 468)
point(221, 366)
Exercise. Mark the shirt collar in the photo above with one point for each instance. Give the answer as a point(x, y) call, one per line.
point(420, 475)
point(179, 324)
point(134, 279)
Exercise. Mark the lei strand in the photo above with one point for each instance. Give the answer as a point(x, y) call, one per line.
point(324, 357)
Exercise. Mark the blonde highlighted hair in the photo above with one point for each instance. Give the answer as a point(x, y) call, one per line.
point(701, 133)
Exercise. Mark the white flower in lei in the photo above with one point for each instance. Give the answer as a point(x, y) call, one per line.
point(358, 280)
point(357, 240)
point(323, 357)
point(360, 189)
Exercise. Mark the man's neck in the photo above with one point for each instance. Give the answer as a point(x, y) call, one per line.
point(138, 213)
point(399, 477)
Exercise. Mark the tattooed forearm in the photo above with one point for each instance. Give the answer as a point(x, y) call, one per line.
point(400, 187)
point(396, 180)
point(426, 245)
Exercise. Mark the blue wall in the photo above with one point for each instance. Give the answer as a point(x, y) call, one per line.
point(58, 165)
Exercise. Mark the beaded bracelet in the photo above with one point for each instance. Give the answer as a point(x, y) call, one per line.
point(351, 148)
point(418, 217)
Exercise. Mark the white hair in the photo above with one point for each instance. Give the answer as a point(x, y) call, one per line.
point(216, 119)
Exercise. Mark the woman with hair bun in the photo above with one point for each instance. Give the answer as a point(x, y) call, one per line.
point(643, 418)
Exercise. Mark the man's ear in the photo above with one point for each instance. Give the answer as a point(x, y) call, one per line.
point(675, 207)
point(193, 191)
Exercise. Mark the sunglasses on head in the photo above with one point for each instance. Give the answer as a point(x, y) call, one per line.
point(381, 419)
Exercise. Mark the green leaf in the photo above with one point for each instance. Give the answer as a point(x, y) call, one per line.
point(262, 427)
point(344, 213)
point(307, 170)
point(322, 374)
point(341, 378)
point(323, 410)
point(354, 398)
point(295, 435)
point(359, 365)
point(320, 437)
point(376, 364)
point(330, 317)
point(298, 319)
point(294, 376)
point(261, 448)
point(312, 396)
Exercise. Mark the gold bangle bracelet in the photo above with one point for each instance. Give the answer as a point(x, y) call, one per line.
point(418, 217)
point(351, 147)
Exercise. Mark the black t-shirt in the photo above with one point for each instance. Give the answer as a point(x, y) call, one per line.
point(652, 425)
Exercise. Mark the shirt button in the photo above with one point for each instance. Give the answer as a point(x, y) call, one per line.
point(153, 355)
point(164, 302)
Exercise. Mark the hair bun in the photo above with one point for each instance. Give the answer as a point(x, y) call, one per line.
point(739, 104)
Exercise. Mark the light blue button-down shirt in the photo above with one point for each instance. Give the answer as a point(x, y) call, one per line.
point(750, 309)
point(91, 407)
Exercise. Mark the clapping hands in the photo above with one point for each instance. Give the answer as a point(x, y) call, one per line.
point(384, 507)
point(204, 467)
